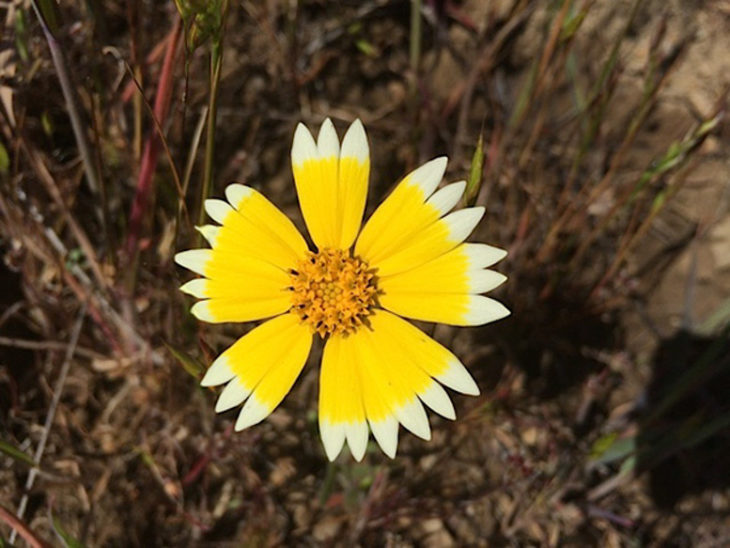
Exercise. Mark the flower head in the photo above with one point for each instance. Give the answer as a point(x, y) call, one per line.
point(408, 260)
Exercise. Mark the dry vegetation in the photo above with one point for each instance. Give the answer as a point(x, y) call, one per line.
point(604, 417)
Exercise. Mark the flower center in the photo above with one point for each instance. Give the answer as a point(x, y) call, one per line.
point(332, 291)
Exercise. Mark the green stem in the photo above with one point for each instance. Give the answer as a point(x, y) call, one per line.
point(216, 58)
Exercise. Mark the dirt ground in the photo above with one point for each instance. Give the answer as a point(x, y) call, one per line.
point(604, 414)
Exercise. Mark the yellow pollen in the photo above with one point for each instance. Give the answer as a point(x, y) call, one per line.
point(332, 291)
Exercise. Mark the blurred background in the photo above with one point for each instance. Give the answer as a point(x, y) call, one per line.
point(594, 133)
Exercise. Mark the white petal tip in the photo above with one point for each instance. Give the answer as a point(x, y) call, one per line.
point(196, 288)
point(458, 378)
point(237, 193)
point(446, 198)
point(357, 439)
point(193, 259)
point(429, 175)
point(209, 232)
point(328, 144)
point(481, 281)
point(217, 210)
point(414, 419)
point(355, 143)
point(461, 223)
point(385, 433)
point(201, 310)
point(303, 148)
point(232, 396)
point(437, 399)
point(483, 255)
point(253, 412)
point(333, 438)
point(219, 372)
point(483, 310)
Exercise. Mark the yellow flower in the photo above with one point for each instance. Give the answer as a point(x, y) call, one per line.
point(408, 260)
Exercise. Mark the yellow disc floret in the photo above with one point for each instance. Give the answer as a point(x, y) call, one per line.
point(332, 291)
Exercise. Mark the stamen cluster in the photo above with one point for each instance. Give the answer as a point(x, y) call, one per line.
point(333, 291)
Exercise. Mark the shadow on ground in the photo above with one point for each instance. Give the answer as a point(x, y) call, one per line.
point(685, 428)
point(557, 342)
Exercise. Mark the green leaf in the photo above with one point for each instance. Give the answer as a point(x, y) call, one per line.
point(48, 9)
point(717, 320)
point(16, 454)
point(611, 448)
point(628, 465)
point(4, 159)
point(190, 364)
point(21, 34)
point(474, 183)
point(366, 47)
point(47, 123)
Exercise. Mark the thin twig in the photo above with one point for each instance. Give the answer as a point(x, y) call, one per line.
point(43, 173)
point(50, 345)
point(50, 415)
point(415, 44)
point(179, 184)
point(71, 103)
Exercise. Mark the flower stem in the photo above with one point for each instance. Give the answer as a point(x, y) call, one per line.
point(216, 58)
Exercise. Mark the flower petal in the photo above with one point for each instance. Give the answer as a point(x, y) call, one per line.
point(429, 243)
point(443, 289)
point(448, 308)
point(239, 309)
point(254, 227)
point(382, 374)
point(256, 243)
point(261, 368)
point(263, 295)
point(402, 214)
point(385, 432)
point(457, 271)
point(446, 198)
point(353, 183)
point(341, 410)
point(331, 182)
point(434, 359)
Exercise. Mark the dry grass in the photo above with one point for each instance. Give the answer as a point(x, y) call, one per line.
point(592, 147)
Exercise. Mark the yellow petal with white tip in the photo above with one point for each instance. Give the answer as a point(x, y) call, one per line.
point(331, 182)
point(354, 171)
point(260, 368)
point(381, 374)
point(402, 214)
point(453, 272)
point(385, 432)
point(264, 293)
point(341, 410)
point(233, 395)
point(209, 232)
point(448, 308)
point(254, 227)
point(433, 358)
point(443, 289)
point(446, 198)
point(433, 241)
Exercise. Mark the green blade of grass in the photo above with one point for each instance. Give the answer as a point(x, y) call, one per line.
point(191, 365)
point(16, 454)
point(68, 540)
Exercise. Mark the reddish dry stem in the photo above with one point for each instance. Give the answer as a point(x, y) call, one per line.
point(152, 146)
